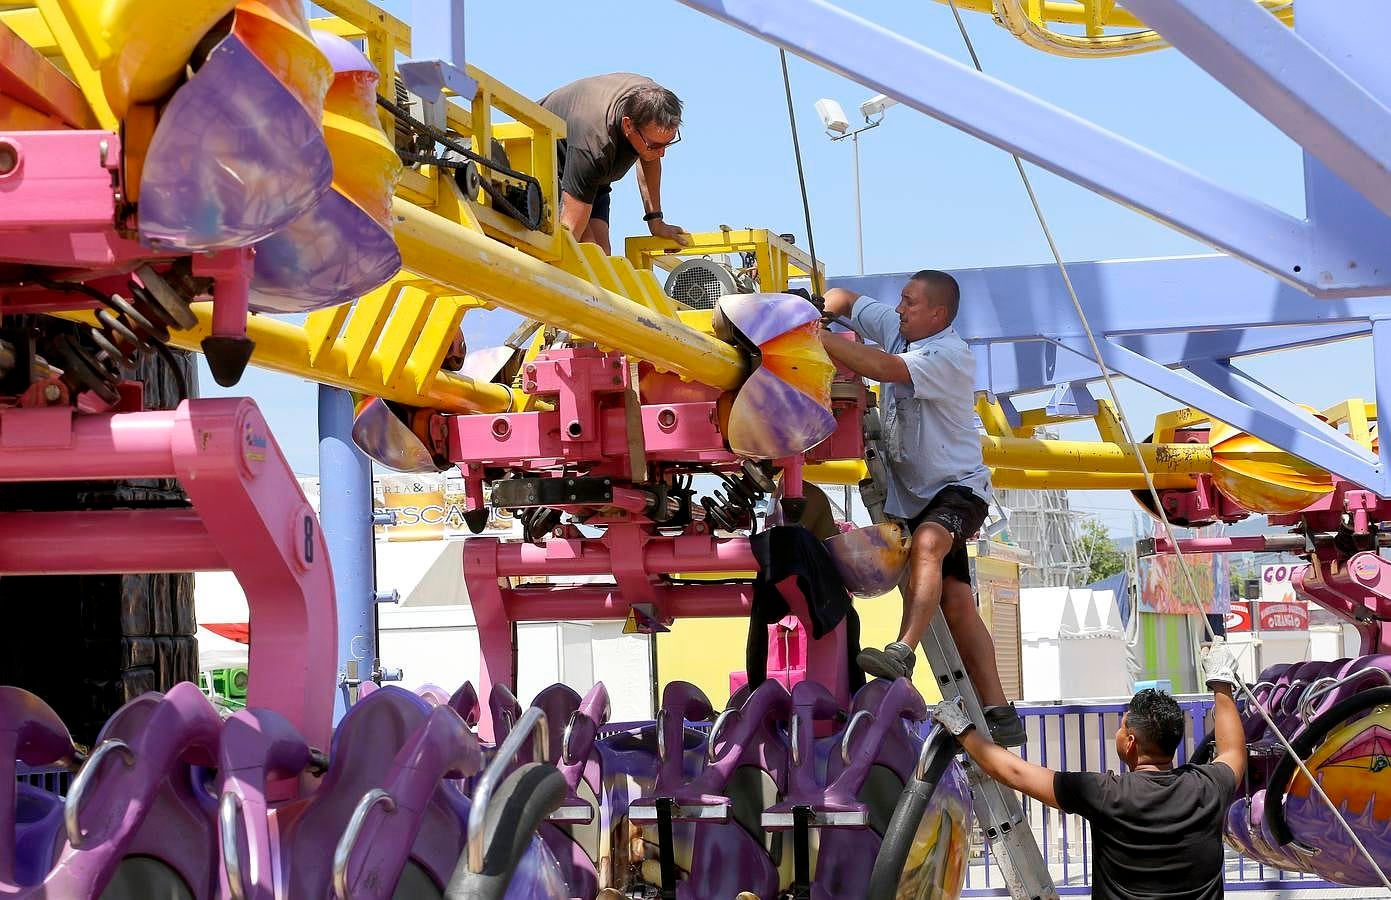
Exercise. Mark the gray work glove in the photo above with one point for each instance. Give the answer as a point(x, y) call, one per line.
point(1219, 666)
point(952, 717)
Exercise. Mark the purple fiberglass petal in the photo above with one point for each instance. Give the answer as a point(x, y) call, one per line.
point(234, 159)
point(762, 317)
point(870, 560)
point(333, 254)
point(382, 435)
point(770, 419)
point(342, 55)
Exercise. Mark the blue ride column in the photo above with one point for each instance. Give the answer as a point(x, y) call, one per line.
point(345, 513)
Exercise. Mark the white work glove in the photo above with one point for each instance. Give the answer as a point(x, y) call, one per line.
point(952, 717)
point(1219, 665)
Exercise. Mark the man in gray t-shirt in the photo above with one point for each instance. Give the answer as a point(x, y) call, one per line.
point(612, 122)
point(938, 483)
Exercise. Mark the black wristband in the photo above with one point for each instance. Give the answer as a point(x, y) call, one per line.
point(656, 214)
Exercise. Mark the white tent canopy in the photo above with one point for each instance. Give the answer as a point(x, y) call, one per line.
point(1073, 645)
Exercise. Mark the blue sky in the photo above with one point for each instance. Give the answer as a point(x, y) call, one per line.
point(931, 197)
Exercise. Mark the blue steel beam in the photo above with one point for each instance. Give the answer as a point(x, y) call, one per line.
point(1151, 316)
point(1381, 372)
point(1323, 262)
point(1019, 367)
point(1243, 388)
point(345, 513)
point(1289, 82)
point(437, 50)
point(1171, 311)
point(1278, 423)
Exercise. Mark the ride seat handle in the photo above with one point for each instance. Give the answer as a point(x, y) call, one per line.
point(31, 733)
point(258, 746)
point(373, 849)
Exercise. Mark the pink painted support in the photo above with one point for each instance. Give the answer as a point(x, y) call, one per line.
point(1358, 590)
point(232, 271)
point(251, 517)
point(59, 180)
point(627, 552)
point(581, 379)
point(671, 431)
point(60, 543)
point(577, 556)
point(58, 203)
point(826, 660)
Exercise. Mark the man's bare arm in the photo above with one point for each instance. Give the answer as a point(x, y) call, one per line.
point(1231, 737)
point(574, 214)
point(840, 302)
point(866, 361)
point(1009, 769)
point(650, 187)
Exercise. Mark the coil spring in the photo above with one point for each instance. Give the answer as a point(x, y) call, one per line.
point(127, 329)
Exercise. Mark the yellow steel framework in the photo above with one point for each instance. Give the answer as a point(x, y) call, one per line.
point(1098, 28)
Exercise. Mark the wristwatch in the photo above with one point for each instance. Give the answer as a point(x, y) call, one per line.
point(655, 214)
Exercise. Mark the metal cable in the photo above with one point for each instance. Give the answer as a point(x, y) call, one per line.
point(801, 176)
point(1149, 477)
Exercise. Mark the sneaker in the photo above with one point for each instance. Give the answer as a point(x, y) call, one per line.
point(894, 661)
point(1006, 728)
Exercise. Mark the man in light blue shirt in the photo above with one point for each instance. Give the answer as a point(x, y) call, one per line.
point(938, 483)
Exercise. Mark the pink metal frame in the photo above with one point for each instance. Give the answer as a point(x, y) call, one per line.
point(587, 430)
point(248, 514)
point(60, 205)
point(1357, 587)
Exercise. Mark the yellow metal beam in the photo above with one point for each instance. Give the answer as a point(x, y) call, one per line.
point(285, 347)
point(851, 471)
point(468, 262)
point(1095, 456)
point(1033, 479)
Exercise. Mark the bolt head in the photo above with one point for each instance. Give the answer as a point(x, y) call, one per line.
point(52, 393)
point(9, 158)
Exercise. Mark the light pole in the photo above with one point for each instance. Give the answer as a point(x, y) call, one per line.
point(838, 129)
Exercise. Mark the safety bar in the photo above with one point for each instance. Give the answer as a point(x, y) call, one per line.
point(1319, 688)
point(716, 730)
point(862, 715)
point(533, 721)
point(1284, 706)
point(344, 851)
point(228, 826)
point(567, 756)
point(72, 805)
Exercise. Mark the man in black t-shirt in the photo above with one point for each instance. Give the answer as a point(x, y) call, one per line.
point(612, 122)
point(1156, 828)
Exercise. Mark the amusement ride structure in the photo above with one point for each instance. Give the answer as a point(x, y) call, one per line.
point(174, 177)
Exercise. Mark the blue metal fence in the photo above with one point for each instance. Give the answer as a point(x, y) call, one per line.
point(1078, 737)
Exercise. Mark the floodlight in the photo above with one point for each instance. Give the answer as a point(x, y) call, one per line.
point(832, 116)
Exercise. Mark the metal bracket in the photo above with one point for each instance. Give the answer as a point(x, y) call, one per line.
point(515, 493)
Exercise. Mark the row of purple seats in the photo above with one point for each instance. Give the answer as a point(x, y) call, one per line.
point(175, 802)
point(1332, 714)
point(792, 792)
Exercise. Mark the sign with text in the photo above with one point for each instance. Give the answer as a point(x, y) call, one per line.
point(1280, 608)
point(427, 510)
point(1277, 583)
point(1284, 616)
